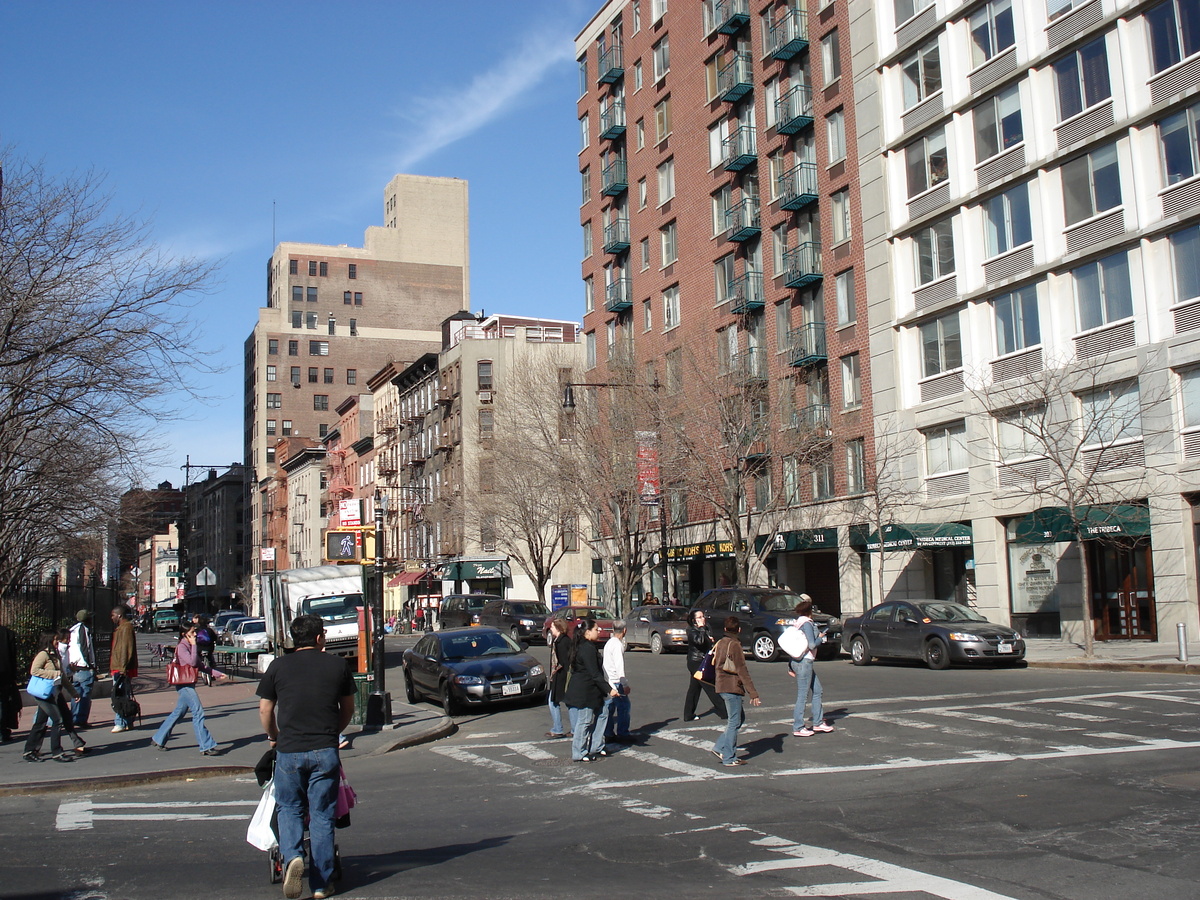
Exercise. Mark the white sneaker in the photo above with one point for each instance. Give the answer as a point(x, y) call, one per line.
point(117, 729)
point(293, 877)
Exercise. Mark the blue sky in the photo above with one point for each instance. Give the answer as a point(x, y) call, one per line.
point(220, 122)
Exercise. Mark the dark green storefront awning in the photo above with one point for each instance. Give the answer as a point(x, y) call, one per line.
point(804, 539)
point(917, 536)
point(1053, 524)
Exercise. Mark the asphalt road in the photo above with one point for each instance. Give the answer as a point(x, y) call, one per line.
point(965, 784)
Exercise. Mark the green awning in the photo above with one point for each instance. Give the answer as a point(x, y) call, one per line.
point(1053, 524)
point(917, 536)
point(804, 539)
point(466, 569)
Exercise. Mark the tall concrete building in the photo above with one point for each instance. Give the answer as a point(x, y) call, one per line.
point(335, 315)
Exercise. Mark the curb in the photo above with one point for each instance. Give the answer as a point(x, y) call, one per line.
point(1192, 669)
point(104, 782)
point(444, 728)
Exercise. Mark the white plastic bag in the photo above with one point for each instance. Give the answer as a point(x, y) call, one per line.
point(794, 642)
point(260, 834)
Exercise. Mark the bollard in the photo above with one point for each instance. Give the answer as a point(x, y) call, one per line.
point(1181, 636)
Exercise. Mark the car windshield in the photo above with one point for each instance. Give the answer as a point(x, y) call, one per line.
point(943, 611)
point(254, 627)
point(341, 608)
point(530, 609)
point(478, 643)
point(665, 614)
point(776, 602)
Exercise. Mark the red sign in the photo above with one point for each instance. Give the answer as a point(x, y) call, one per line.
point(647, 467)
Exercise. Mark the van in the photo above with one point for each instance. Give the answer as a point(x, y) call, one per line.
point(462, 610)
point(522, 619)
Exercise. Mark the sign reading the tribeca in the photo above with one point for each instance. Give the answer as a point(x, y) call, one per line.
point(350, 513)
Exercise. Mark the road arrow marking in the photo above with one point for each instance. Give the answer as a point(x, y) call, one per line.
point(81, 815)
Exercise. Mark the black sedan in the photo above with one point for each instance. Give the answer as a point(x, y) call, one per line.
point(936, 631)
point(464, 667)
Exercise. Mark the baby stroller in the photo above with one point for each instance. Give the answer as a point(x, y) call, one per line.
point(264, 771)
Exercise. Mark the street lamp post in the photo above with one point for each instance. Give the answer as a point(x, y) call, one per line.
point(379, 705)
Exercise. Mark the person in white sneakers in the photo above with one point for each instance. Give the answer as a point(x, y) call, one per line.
point(801, 668)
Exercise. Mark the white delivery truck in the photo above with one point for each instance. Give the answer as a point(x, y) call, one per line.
point(335, 593)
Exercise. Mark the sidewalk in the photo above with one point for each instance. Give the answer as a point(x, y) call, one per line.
point(1160, 656)
point(231, 715)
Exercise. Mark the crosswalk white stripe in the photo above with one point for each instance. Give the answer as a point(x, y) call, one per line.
point(665, 762)
point(531, 751)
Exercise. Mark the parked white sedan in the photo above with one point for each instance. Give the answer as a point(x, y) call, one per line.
point(249, 634)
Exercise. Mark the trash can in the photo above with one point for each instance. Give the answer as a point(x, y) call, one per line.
point(362, 692)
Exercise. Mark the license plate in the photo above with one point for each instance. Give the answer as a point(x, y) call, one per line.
point(1004, 647)
point(507, 689)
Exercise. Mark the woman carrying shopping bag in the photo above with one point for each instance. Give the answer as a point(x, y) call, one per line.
point(182, 672)
point(45, 687)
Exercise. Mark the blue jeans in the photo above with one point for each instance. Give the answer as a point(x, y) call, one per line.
point(806, 680)
point(308, 781)
point(188, 701)
point(616, 716)
point(584, 726)
point(726, 744)
point(81, 706)
point(556, 723)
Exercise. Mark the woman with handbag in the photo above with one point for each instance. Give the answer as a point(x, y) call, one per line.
point(182, 672)
point(560, 661)
point(699, 643)
point(45, 685)
point(733, 683)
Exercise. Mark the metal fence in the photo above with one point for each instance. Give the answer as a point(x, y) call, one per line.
point(32, 609)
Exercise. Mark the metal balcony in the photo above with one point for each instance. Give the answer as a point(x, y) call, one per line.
point(612, 66)
point(730, 15)
point(749, 366)
point(814, 418)
point(740, 149)
point(614, 179)
point(612, 121)
point(789, 35)
point(808, 344)
point(743, 220)
point(616, 236)
point(736, 79)
point(618, 296)
point(794, 110)
point(797, 187)
point(746, 293)
point(802, 264)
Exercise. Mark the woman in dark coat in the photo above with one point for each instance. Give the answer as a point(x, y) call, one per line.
point(586, 690)
point(560, 661)
point(699, 642)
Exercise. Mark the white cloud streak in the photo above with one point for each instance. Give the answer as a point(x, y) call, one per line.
point(452, 115)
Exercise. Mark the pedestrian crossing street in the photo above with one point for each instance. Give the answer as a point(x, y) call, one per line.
point(884, 733)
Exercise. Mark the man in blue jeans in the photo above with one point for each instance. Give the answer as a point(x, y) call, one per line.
point(306, 701)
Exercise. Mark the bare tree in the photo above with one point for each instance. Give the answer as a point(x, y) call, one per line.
point(94, 338)
point(1071, 436)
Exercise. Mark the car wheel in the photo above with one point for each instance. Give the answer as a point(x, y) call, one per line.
point(449, 704)
point(410, 692)
point(937, 654)
point(515, 634)
point(656, 644)
point(859, 654)
point(764, 647)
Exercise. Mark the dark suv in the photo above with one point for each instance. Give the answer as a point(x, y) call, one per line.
point(764, 612)
point(522, 619)
point(462, 610)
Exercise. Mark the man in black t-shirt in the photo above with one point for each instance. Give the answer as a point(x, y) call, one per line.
point(306, 701)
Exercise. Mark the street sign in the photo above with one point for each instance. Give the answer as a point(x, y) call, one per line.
point(135, 571)
point(267, 554)
point(206, 577)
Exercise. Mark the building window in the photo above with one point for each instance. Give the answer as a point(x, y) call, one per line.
point(934, 246)
point(779, 246)
point(294, 376)
point(1102, 292)
point(487, 424)
point(666, 181)
point(273, 347)
point(673, 371)
point(328, 376)
point(585, 183)
point(926, 162)
point(721, 201)
point(835, 135)
point(1111, 414)
point(270, 454)
point(352, 271)
point(318, 348)
point(770, 98)
point(1082, 78)
point(856, 466)
point(274, 401)
point(844, 288)
point(921, 74)
point(662, 120)
point(1016, 433)
point(271, 373)
point(658, 9)
point(1016, 316)
point(906, 9)
point(851, 382)
point(587, 238)
point(991, 30)
point(313, 375)
point(293, 348)
point(1174, 32)
point(662, 58)
point(347, 298)
point(321, 402)
point(293, 267)
point(352, 376)
point(297, 319)
point(310, 294)
point(941, 346)
point(1180, 138)
point(637, 76)
point(647, 315)
point(589, 341)
point(670, 302)
point(287, 427)
point(271, 425)
point(670, 251)
point(783, 326)
point(332, 325)
point(998, 124)
point(312, 267)
point(1091, 184)
point(584, 132)
point(583, 75)
point(483, 374)
point(358, 298)
point(723, 275)
point(353, 327)
point(831, 57)
point(946, 449)
point(645, 253)
point(1185, 251)
point(324, 269)
point(297, 293)
point(1006, 220)
point(841, 215)
point(322, 432)
point(589, 294)
point(822, 480)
